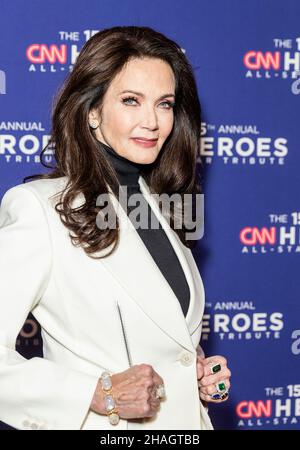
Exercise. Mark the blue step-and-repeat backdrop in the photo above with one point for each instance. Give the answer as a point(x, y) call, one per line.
point(246, 58)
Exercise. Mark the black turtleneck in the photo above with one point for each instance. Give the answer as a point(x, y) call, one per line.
point(128, 172)
point(155, 239)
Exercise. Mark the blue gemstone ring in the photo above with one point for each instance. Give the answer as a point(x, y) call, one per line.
point(219, 396)
point(216, 396)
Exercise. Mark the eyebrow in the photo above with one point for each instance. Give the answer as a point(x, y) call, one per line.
point(142, 95)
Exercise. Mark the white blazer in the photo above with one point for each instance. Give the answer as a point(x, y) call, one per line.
point(95, 315)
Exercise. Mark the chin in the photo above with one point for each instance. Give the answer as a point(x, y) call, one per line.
point(147, 160)
point(149, 157)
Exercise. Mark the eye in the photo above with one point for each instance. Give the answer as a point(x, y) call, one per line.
point(169, 104)
point(128, 99)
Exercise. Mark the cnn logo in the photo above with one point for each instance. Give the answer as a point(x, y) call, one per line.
point(41, 53)
point(256, 60)
point(252, 236)
point(249, 409)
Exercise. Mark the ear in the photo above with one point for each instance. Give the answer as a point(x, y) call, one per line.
point(93, 115)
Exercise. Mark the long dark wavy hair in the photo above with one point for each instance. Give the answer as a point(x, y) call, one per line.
point(76, 149)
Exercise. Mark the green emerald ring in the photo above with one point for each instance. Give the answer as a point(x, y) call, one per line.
point(215, 368)
point(221, 388)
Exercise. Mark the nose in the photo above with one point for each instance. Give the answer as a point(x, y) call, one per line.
point(149, 119)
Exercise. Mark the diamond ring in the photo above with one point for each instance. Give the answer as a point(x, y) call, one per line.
point(160, 391)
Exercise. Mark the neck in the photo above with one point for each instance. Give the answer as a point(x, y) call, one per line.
point(128, 172)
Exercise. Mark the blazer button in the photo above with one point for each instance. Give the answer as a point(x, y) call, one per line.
point(186, 358)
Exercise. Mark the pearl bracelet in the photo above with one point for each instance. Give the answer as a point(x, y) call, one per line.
point(111, 411)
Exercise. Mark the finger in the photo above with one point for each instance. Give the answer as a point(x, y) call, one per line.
point(216, 358)
point(157, 379)
point(212, 367)
point(204, 396)
point(224, 374)
point(200, 370)
point(211, 389)
point(154, 403)
point(152, 390)
point(154, 386)
point(200, 360)
point(208, 399)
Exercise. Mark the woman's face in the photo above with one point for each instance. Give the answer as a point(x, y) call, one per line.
point(147, 113)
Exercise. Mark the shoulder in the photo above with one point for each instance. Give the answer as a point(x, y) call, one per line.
point(45, 188)
point(34, 194)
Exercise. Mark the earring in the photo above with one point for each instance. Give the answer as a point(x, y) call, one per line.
point(94, 125)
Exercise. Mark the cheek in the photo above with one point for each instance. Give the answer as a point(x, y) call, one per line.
point(166, 124)
point(121, 121)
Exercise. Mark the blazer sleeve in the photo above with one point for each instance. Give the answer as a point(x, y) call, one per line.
point(35, 391)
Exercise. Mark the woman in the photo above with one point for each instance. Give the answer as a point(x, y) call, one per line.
point(121, 306)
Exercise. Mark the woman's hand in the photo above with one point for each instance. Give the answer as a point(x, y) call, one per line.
point(207, 381)
point(133, 391)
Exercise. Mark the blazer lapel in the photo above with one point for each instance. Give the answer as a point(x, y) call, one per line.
point(186, 259)
point(134, 269)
